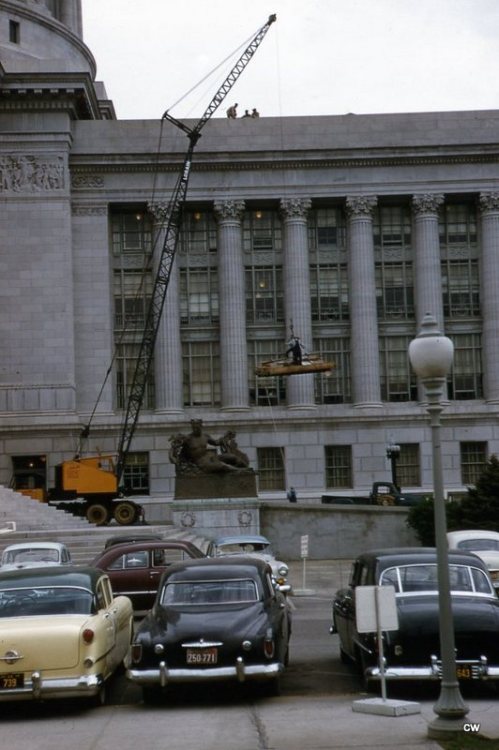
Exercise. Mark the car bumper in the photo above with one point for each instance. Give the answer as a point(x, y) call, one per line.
point(466, 670)
point(240, 671)
point(39, 688)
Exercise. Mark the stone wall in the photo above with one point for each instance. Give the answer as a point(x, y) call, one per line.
point(339, 532)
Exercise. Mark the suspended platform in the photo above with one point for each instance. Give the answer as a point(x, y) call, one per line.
point(310, 363)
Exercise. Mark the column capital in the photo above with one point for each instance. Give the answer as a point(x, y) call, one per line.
point(358, 206)
point(295, 208)
point(229, 210)
point(427, 203)
point(159, 211)
point(489, 202)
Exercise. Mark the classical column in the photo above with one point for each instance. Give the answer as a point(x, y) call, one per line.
point(362, 301)
point(427, 265)
point(296, 279)
point(71, 15)
point(232, 305)
point(489, 205)
point(168, 375)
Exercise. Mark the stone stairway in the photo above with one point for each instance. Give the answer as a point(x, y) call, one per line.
point(40, 522)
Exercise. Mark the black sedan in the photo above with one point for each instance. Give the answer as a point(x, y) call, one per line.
point(213, 619)
point(413, 651)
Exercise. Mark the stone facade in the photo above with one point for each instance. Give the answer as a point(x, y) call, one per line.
point(66, 164)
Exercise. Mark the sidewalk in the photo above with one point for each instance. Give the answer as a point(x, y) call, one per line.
point(335, 721)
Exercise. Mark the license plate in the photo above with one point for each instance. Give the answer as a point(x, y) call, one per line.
point(201, 656)
point(463, 672)
point(11, 681)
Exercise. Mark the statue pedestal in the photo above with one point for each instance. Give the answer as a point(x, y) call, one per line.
point(221, 517)
point(216, 485)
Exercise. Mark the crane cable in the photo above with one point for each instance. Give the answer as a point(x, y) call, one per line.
point(148, 260)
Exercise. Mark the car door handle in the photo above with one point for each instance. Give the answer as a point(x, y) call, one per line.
point(154, 573)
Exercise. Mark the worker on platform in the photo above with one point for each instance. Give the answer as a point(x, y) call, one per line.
point(232, 112)
point(296, 349)
point(247, 113)
point(255, 112)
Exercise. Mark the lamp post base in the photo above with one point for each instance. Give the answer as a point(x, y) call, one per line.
point(445, 729)
point(451, 711)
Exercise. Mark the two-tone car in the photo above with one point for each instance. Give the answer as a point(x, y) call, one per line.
point(34, 555)
point(135, 568)
point(62, 633)
point(412, 652)
point(255, 545)
point(483, 543)
point(213, 620)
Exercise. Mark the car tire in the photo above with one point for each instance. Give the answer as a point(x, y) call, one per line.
point(271, 688)
point(97, 514)
point(125, 513)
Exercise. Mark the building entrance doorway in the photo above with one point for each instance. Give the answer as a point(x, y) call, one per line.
point(29, 476)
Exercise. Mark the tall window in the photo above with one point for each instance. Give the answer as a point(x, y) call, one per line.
point(466, 376)
point(261, 231)
point(265, 391)
point(338, 466)
point(198, 296)
point(461, 288)
point(270, 469)
point(326, 229)
point(132, 277)
point(394, 277)
point(473, 460)
point(201, 366)
point(14, 32)
point(335, 386)
point(264, 295)
point(457, 225)
point(408, 465)
point(136, 472)
point(329, 292)
point(398, 383)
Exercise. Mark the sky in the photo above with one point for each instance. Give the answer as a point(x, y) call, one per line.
point(321, 57)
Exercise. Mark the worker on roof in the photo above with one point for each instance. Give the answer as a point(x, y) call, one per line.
point(232, 112)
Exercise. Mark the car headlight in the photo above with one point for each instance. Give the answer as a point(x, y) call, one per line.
point(283, 570)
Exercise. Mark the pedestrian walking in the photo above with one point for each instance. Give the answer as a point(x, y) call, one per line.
point(292, 495)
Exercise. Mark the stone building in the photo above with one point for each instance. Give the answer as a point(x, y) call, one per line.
point(349, 228)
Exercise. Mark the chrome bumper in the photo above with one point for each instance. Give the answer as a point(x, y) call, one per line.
point(479, 670)
point(36, 687)
point(240, 672)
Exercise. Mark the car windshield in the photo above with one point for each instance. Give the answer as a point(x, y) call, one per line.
point(45, 600)
point(25, 555)
point(423, 578)
point(231, 591)
point(244, 548)
point(479, 545)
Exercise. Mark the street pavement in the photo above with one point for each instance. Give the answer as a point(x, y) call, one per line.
point(342, 727)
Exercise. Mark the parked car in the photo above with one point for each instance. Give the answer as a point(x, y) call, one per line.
point(34, 554)
point(63, 633)
point(127, 538)
point(213, 619)
point(485, 544)
point(255, 545)
point(413, 651)
point(135, 568)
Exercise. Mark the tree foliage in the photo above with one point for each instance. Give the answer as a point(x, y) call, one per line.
point(479, 509)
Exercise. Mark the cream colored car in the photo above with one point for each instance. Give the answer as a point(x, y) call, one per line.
point(62, 633)
point(483, 543)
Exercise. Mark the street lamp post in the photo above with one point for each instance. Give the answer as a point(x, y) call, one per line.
point(393, 454)
point(431, 355)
